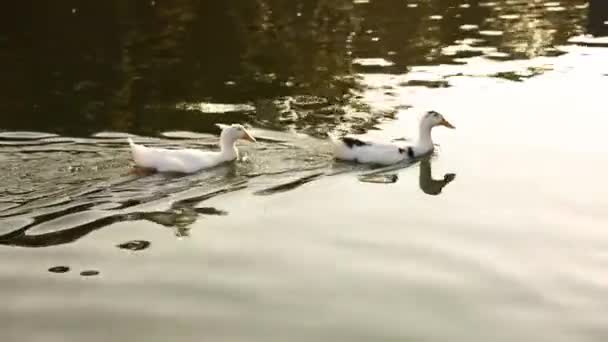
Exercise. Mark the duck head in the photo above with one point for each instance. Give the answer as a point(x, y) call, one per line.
point(428, 121)
point(234, 132)
point(432, 119)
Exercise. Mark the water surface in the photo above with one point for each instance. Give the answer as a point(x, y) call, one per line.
point(499, 236)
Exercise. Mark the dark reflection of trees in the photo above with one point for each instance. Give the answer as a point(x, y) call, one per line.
point(598, 17)
point(84, 66)
point(299, 44)
point(87, 66)
point(410, 36)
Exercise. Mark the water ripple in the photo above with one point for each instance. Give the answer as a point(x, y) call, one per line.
point(55, 195)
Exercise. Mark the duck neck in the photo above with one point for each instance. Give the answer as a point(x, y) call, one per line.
point(425, 141)
point(228, 148)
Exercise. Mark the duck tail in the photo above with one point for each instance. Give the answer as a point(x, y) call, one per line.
point(332, 137)
point(136, 151)
point(335, 143)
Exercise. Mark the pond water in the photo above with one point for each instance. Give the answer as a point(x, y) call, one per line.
point(499, 236)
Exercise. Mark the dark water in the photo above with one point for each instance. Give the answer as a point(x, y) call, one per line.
point(78, 68)
point(500, 236)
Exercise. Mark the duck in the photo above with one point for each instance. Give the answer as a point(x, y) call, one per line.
point(369, 152)
point(153, 159)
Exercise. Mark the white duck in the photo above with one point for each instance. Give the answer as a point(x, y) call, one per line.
point(360, 151)
point(190, 160)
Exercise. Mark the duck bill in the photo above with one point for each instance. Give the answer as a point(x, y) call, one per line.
point(447, 124)
point(248, 137)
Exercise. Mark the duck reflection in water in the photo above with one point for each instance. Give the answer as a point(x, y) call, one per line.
point(427, 184)
point(179, 217)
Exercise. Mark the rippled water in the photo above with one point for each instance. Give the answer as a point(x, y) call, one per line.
point(500, 236)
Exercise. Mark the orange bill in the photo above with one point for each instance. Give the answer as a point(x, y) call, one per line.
point(446, 123)
point(248, 136)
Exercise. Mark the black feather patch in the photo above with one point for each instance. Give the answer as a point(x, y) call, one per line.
point(409, 150)
point(350, 142)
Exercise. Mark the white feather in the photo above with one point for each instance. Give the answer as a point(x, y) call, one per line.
point(188, 160)
point(371, 153)
point(386, 153)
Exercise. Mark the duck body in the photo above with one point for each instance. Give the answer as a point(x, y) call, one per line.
point(182, 160)
point(368, 152)
point(189, 160)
